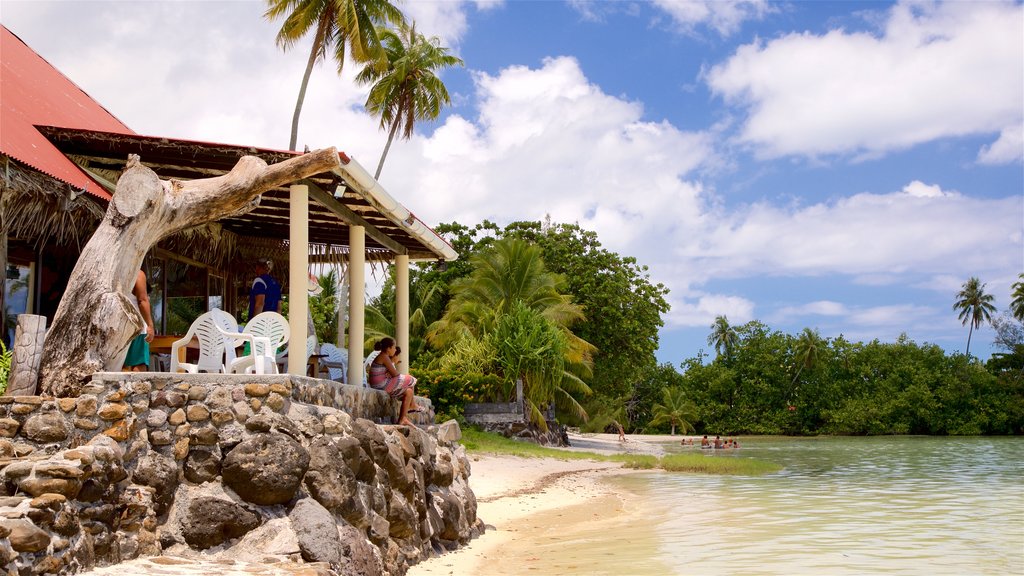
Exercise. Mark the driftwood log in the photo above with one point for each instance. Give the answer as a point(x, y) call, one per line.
point(95, 319)
point(27, 351)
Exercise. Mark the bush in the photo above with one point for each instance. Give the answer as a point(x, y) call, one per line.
point(450, 391)
point(5, 367)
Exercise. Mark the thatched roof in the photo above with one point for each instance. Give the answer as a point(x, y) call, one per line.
point(336, 200)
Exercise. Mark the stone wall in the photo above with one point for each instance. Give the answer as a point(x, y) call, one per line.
point(147, 463)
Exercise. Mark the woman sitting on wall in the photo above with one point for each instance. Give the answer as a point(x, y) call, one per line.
point(384, 376)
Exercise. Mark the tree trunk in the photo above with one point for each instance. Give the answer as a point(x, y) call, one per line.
point(391, 136)
point(318, 41)
point(27, 353)
point(95, 318)
point(969, 333)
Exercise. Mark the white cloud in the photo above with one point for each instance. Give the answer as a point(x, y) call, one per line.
point(701, 310)
point(818, 308)
point(1009, 148)
point(724, 16)
point(921, 190)
point(937, 70)
point(921, 230)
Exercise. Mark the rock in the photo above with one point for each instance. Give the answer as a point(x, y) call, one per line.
point(266, 469)
point(213, 521)
point(402, 519)
point(356, 458)
point(371, 438)
point(449, 432)
point(316, 532)
point(46, 428)
point(202, 466)
point(330, 481)
point(160, 473)
point(361, 557)
point(9, 427)
point(25, 536)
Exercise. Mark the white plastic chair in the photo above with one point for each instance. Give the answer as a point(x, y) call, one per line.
point(335, 360)
point(215, 349)
point(269, 331)
point(310, 349)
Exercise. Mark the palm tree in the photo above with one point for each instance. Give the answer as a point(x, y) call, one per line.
point(807, 349)
point(515, 306)
point(723, 337)
point(974, 305)
point(340, 25)
point(1017, 299)
point(408, 89)
point(675, 409)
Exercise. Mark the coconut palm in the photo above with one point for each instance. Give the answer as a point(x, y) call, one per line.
point(674, 409)
point(723, 337)
point(1017, 299)
point(341, 26)
point(808, 347)
point(407, 89)
point(974, 305)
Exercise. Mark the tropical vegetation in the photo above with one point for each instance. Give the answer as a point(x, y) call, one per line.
point(975, 307)
point(406, 89)
point(522, 309)
point(340, 27)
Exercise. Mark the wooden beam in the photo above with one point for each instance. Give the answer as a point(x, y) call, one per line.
point(328, 201)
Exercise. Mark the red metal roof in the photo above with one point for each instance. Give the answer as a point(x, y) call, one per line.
point(33, 92)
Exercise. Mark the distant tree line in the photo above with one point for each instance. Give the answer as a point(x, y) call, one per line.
point(546, 303)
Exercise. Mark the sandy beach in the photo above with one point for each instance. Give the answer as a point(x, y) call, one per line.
point(528, 503)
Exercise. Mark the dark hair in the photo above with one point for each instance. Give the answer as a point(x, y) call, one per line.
point(384, 343)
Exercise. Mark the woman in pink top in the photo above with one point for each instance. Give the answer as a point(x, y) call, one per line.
point(384, 376)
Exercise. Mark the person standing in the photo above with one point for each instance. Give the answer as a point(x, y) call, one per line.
point(265, 293)
point(137, 357)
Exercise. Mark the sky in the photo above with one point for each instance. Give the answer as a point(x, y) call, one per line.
point(841, 166)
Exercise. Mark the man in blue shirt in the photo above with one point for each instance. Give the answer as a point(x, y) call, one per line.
point(266, 292)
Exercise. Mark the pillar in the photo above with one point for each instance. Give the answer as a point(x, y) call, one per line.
point(298, 276)
point(402, 307)
point(356, 302)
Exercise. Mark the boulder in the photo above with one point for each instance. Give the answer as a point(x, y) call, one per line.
point(45, 428)
point(202, 466)
point(316, 532)
point(213, 521)
point(330, 481)
point(160, 473)
point(266, 469)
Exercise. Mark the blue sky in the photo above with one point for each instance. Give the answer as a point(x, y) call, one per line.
point(843, 166)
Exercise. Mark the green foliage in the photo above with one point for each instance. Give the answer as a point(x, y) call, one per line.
point(324, 307)
point(780, 384)
point(512, 306)
point(1017, 299)
point(406, 89)
point(5, 366)
point(674, 409)
point(449, 391)
point(974, 305)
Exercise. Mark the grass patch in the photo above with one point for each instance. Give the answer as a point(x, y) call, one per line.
point(479, 442)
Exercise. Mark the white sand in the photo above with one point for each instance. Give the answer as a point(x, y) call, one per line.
point(568, 494)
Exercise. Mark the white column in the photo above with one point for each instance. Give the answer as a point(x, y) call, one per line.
point(356, 301)
point(298, 274)
point(402, 307)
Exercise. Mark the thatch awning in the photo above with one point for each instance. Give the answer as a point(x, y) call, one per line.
point(336, 200)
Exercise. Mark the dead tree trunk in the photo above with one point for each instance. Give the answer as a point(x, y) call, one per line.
point(27, 351)
point(95, 318)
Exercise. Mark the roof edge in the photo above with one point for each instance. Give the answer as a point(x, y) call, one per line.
point(372, 191)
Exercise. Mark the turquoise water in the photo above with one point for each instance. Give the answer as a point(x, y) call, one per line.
point(893, 505)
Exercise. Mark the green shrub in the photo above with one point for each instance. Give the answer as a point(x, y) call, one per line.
point(450, 391)
point(5, 367)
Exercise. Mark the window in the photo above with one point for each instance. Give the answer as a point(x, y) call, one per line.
point(17, 296)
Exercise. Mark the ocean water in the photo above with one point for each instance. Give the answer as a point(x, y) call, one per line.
point(892, 505)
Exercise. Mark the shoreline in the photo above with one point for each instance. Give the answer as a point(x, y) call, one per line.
point(525, 502)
